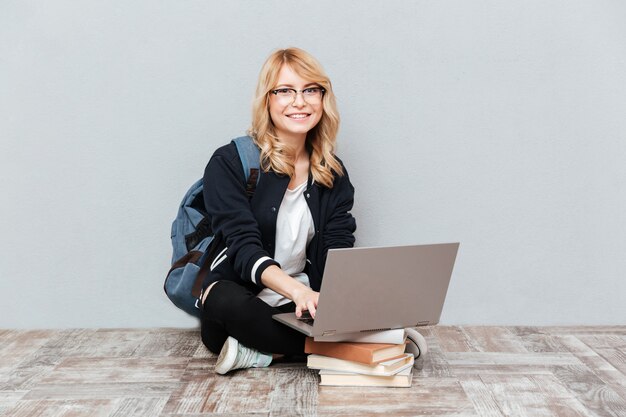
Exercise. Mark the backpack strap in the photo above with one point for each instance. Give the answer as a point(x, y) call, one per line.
point(250, 156)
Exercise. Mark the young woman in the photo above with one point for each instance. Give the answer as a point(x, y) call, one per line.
point(274, 245)
point(271, 248)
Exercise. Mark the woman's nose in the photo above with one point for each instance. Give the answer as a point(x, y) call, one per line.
point(299, 100)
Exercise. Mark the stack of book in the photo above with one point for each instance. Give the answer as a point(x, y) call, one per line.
point(360, 364)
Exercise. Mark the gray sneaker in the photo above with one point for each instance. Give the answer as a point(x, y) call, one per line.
point(234, 355)
point(416, 343)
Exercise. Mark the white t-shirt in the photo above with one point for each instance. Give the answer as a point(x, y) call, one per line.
point(294, 231)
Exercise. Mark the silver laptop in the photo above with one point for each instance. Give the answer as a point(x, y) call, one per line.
point(369, 289)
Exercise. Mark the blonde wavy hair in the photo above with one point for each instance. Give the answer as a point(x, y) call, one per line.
point(320, 141)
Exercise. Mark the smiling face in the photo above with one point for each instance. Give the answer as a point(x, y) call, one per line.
point(293, 118)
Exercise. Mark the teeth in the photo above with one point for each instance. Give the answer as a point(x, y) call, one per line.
point(298, 116)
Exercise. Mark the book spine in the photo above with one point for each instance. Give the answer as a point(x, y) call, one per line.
point(367, 353)
point(366, 380)
point(383, 369)
point(338, 350)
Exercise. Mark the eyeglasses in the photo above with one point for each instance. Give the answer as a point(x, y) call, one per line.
point(311, 95)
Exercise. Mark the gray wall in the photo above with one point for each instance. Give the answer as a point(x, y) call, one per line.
point(497, 124)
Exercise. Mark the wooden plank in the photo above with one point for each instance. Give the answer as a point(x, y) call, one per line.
point(590, 390)
point(9, 399)
point(596, 361)
point(481, 363)
point(29, 372)
point(102, 390)
point(196, 382)
point(139, 407)
point(585, 330)
point(190, 397)
point(476, 370)
point(68, 343)
point(604, 341)
point(515, 359)
point(242, 391)
point(454, 339)
point(7, 364)
point(559, 400)
point(616, 357)
point(202, 351)
point(169, 342)
point(494, 339)
point(81, 370)
point(253, 414)
point(532, 396)
point(294, 391)
point(429, 396)
point(538, 339)
point(47, 408)
point(18, 364)
point(201, 390)
point(23, 342)
point(482, 398)
point(434, 364)
point(120, 343)
point(94, 342)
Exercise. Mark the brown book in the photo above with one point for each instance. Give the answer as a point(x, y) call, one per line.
point(357, 352)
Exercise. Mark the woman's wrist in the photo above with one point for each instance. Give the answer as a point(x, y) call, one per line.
point(304, 297)
point(276, 279)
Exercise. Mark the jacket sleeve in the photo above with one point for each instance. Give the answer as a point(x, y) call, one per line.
point(231, 217)
point(340, 225)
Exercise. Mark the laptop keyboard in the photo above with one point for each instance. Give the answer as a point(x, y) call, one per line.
point(306, 318)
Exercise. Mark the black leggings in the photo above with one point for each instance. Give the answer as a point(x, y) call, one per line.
point(232, 310)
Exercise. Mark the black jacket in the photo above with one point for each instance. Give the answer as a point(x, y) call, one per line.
point(245, 229)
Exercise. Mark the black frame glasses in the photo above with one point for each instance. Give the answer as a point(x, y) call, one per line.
point(292, 93)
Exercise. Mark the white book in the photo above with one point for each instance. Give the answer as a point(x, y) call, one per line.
point(394, 336)
point(386, 368)
point(337, 378)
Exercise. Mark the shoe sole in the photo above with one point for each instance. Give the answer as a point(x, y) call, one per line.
point(227, 356)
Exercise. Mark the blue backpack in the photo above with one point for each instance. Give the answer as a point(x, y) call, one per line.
point(192, 235)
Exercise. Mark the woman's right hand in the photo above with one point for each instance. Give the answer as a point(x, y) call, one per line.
point(305, 299)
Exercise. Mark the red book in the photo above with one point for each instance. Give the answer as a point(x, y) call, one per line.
point(358, 352)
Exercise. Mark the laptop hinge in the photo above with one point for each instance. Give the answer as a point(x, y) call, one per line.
point(422, 323)
point(329, 332)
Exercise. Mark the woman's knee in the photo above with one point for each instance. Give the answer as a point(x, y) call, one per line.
point(224, 299)
point(223, 302)
point(205, 293)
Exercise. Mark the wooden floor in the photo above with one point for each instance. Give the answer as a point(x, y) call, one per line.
point(469, 371)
